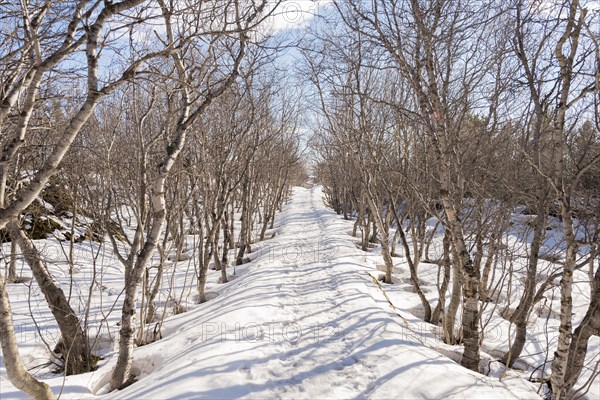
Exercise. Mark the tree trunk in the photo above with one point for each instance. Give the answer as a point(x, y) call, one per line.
point(215, 245)
point(73, 346)
point(470, 283)
point(571, 35)
point(450, 317)
point(226, 241)
point(153, 292)
point(242, 238)
point(265, 221)
point(412, 265)
point(17, 374)
point(209, 251)
point(232, 227)
point(12, 265)
point(366, 221)
point(470, 320)
point(384, 239)
point(519, 317)
point(487, 268)
point(590, 325)
point(203, 273)
point(441, 305)
point(374, 227)
point(395, 242)
point(121, 376)
point(560, 363)
point(429, 240)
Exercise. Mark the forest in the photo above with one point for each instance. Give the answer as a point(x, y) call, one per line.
point(178, 166)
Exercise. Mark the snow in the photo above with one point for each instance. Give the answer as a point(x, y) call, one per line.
point(304, 319)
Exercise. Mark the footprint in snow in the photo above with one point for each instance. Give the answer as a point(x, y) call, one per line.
point(191, 339)
point(274, 373)
point(346, 362)
point(366, 365)
point(246, 370)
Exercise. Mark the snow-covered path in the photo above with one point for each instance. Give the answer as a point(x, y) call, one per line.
point(306, 321)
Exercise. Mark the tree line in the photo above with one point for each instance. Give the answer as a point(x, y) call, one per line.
point(462, 114)
point(156, 121)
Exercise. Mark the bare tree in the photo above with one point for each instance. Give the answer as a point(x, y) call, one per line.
point(55, 50)
point(17, 373)
point(197, 93)
point(45, 42)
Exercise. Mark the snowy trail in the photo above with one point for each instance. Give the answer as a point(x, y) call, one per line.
point(305, 320)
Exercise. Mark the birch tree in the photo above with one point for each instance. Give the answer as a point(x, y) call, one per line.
point(220, 40)
point(42, 42)
point(443, 53)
